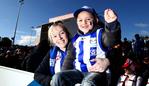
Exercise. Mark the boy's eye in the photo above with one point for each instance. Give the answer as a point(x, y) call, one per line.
point(88, 19)
point(79, 20)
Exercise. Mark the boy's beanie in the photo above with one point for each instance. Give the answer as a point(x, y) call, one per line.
point(85, 8)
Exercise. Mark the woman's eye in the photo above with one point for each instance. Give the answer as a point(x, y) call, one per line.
point(62, 33)
point(54, 36)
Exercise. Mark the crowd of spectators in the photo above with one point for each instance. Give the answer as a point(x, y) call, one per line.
point(137, 50)
point(29, 57)
point(14, 55)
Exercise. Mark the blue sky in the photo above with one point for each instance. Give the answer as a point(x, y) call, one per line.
point(133, 15)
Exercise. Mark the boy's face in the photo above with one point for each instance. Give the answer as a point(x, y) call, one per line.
point(85, 21)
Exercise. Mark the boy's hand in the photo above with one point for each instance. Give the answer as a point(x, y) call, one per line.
point(109, 16)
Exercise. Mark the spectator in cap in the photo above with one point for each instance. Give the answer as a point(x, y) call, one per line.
point(129, 78)
point(90, 65)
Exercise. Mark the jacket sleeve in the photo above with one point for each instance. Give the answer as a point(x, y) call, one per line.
point(111, 39)
point(111, 35)
point(70, 57)
point(33, 59)
point(42, 74)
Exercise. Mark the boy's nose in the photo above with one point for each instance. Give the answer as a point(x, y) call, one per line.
point(84, 21)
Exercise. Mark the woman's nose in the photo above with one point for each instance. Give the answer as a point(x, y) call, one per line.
point(59, 36)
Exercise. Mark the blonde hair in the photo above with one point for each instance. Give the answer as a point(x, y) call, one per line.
point(51, 28)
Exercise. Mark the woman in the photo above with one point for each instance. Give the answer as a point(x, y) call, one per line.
point(52, 62)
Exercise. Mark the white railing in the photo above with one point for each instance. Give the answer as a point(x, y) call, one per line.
point(14, 77)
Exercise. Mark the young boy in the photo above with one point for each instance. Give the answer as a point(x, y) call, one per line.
point(90, 45)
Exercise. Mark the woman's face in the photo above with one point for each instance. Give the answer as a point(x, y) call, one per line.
point(85, 21)
point(59, 37)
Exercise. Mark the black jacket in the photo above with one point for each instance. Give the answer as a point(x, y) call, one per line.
point(42, 74)
point(111, 37)
point(33, 59)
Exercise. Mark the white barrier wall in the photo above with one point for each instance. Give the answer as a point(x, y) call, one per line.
point(14, 77)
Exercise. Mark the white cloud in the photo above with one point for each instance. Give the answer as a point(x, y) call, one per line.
point(28, 39)
point(38, 30)
point(21, 32)
point(141, 25)
point(144, 33)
